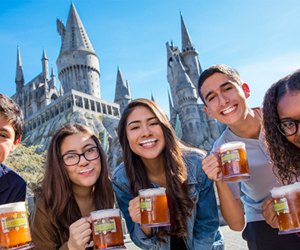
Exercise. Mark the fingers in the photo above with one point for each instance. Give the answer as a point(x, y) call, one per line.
point(269, 213)
point(80, 234)
point(134, 210)
point(212, 167)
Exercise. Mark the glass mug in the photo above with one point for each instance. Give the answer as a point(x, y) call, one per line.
point(14, 227)
point(154, 207)
point(234, 163)
point(107, 229)
point(286, 200)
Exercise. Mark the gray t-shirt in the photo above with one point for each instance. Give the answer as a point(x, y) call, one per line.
point(254, 191)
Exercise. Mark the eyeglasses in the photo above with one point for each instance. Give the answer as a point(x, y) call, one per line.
point(71, 159)
point(288, 127)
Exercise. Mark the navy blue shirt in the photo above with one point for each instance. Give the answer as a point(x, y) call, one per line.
point(12, 186)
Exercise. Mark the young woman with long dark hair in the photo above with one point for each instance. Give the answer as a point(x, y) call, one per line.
point(281, 110)
point(76, 182)
point(154, 157)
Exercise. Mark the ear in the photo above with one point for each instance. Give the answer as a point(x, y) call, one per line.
point(246, 89)
point(17, 141)
point(206, 110)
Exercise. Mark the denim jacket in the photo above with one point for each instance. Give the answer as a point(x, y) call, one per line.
point(203, 224)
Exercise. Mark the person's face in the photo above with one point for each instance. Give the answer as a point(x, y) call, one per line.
point(85, 173)
point(7, 137)
point(144, 133)
point(289, 109)
point(225, 100)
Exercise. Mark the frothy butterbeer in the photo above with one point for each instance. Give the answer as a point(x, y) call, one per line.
point(14, 228)
point(287, 206)
point(107, 229)
point(234, 162)
point(154, 207)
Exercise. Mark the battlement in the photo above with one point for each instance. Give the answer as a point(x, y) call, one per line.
point(72, 101)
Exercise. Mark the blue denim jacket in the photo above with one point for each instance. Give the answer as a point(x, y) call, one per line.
point(202, 225)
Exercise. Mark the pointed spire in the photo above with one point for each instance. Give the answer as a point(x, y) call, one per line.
point(44, 56)
point(152, 98)
point(122, 90)
point(53, 78)
point(186, 41)
point(52, 72)
point(74, 36)
point(19, 72)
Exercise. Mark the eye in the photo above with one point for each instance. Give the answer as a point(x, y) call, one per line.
point(288, 124)
point(91, 150)
point(228, 88)
point(70, 156)
point(210, 98)
point(134, 128)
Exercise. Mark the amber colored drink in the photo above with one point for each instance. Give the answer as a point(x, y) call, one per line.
point(154, 207)
point(107, 229)
point(14, 228)
point(234, 162)
point(286, 201)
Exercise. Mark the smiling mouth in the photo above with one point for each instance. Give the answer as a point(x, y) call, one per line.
point(229, 110)
point(86, 171)
point(148, 143)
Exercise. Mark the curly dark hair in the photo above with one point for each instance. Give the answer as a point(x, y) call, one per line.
point(284, 154)
point(174, 166)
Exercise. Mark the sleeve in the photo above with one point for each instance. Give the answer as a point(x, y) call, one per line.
point(43, 232)
point(20, 191)
point(123, 196)
point(206, 219)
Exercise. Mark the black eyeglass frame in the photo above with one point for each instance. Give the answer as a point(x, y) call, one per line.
point(79, 156)
point(281, 130)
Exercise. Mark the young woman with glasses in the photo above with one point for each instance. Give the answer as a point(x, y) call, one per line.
point(281, 112)
point(76, 182)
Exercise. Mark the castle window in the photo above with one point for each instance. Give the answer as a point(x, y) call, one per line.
point(116, 111)
point(98, 107)
point(69, 103)
point(61, 108)
point(78, 101)
point(104, 108)
point(191, 127)
point(93, 105)
point(109, 110)
point(86, 103)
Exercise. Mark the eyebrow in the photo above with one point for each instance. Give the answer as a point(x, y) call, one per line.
point(84, 147)
point(221, 86)
point(138, 121)
point(5, 130)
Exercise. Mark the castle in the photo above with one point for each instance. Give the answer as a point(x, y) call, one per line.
point(79, 98)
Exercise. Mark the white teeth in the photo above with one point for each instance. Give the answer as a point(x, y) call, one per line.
point(228, 110)
point(85, 170)
point(148, 141)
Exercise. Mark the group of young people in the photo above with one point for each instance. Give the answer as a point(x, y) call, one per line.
point(77, 179)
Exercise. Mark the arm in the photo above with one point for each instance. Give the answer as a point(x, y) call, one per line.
point(135, 230)
point(231, 207)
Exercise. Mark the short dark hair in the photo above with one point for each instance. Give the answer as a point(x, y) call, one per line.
point(218, 68)
point(13, 113)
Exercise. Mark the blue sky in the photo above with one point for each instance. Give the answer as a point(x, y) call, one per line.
point(259, 38)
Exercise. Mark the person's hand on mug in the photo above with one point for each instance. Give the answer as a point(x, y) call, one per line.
point(134, 210)
point(80, 234)
point(211, 165)
point(269, 213)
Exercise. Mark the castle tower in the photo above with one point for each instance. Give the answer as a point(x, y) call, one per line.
point(45, 65)
point(189, 55)
point(53, 78)
point(19, 80)
point(77, 63)
point(122, 94)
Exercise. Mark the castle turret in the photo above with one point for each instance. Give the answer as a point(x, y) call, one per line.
point(189, 55)
point(122, 94)
point(19, 80)
point(77, 63)
point(53, 78)
point(45, 65)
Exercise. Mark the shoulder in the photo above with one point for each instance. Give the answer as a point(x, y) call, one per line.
point(11, 175)
point(221, 139)
point(119, 175)
point(193, 154)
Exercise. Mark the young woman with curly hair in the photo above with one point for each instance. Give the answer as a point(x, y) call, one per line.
point(76, 182)
point(281, 110)
point(154, 157)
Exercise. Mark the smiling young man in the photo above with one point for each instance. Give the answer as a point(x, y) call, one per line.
point(12, 186)
point(225, 95)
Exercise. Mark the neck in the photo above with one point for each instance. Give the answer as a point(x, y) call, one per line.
point(156, 171)
point(249, 127)
point(84, 199)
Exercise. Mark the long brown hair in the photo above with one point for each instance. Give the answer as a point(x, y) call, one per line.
point(174, 166)
point(56, 190)
point(284, 154)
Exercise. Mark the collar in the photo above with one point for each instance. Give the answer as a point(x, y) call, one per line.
point(3, 170)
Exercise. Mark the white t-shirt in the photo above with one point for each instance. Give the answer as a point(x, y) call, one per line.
point(254, 191)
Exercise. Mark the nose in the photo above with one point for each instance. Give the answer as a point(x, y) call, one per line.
point(223, 99)
point(146, 131)
point(82, 161)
